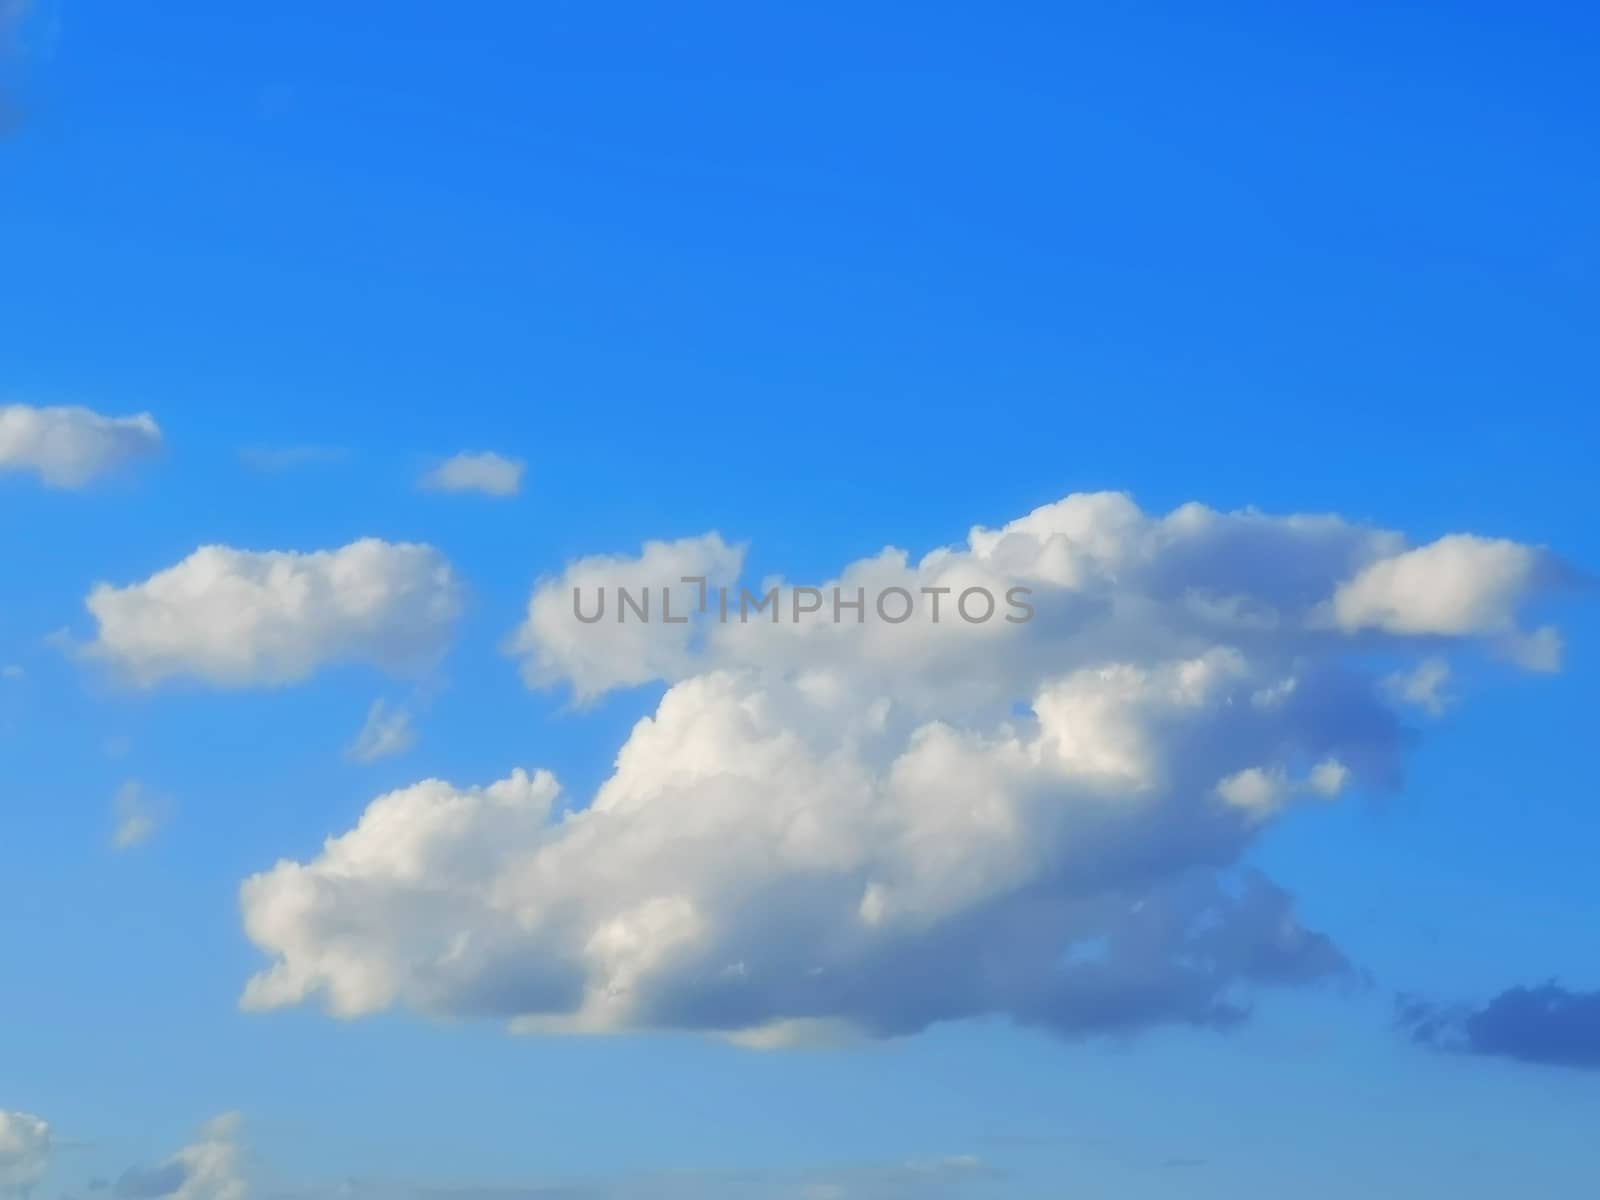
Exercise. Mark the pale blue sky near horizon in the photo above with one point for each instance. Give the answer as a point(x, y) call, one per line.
point(822, 281)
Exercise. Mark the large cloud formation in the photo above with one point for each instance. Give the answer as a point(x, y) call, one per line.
point(857, 827)
point(24, 1152)
point(238, 618)
point(71, 447)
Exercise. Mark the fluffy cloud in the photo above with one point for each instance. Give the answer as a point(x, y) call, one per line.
point(237, 618)
point(1457, 586)
point(70, 447)
point(556, 644)
point(24, 1152)
point(856, 827)
point(487, 473)
point(1549, 1024)
point(207, 1169)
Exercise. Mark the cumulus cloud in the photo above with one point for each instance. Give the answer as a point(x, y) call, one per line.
point(24, 1152)
point(855, 827)
point(139, 815)
point(71, 447)
point(1263, 792)
point(240, 618)
point(1548, 1025)
point(488, 474)
point(555, 644)
point(1458, 586)
point(387, 731)
point(206, 1169)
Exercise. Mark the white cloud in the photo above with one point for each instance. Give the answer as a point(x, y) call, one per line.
point(488, 473)
point(555, 645)
point(1256, 790)
point(417, 839)
point(139, 815)
point(71, 447)
point(1458, 586)
point(206, 1169)
point(1423, 686)
point(1539, 650)
point(213, 1162)
point(24, 1152)
point(1328, 778)
point(1262, 792)
point(239, 618)
point(863, 828)
point(386, 731)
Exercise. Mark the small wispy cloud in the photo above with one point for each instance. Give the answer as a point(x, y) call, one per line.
point(140, 814)
point(486, 473)
point(1423, 687)
point(387, 731)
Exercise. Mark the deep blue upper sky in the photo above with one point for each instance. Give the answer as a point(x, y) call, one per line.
point(822, 278)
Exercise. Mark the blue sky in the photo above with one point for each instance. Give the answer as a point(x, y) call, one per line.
point(821, 282)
